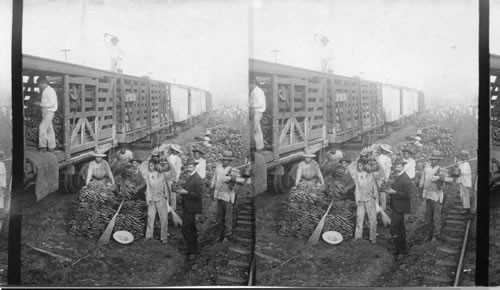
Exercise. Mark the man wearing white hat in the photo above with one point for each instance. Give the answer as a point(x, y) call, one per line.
point(223, 187)
point(326, 53)
point(465, 180)
point(385, 164)
point(431, 185)
point(175, 162)
point(48, 104)
point(115, 53)
point(99, 170)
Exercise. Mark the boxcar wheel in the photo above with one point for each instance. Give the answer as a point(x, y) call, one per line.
point(282, 183)
point(72, 183)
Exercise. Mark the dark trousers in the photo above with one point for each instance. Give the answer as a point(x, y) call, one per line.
point(398, 231)
point(225, 218)
point(433, 216)
point(189, 231)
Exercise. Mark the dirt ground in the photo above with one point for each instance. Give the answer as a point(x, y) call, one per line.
point(285, 261)
point(141, 263)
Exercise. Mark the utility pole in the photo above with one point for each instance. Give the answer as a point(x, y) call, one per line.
point(66, 54)
point(275, 51)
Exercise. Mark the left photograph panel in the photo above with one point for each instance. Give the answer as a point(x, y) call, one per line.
point(5, 132)
point(137, 170)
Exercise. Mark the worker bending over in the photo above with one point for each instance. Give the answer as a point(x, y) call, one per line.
point(48, 104)
point(308, 170)
point(122, 158)
point(99, 170)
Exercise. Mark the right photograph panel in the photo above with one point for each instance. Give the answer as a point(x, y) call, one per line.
point(364, 141)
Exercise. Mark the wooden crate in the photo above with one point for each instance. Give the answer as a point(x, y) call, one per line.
point(160, 106)
point(134, 122)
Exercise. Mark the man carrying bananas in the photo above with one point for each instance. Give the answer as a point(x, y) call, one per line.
point(366, 198)
point(223, 183)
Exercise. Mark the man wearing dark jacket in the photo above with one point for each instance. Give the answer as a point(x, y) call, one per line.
point(400, 191)
point(191, 204)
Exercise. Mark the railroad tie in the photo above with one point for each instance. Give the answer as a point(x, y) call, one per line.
point(456, 217)
point(236, 263)
point(450, 229)
point(226, 280)
point(239, 250)
point(452, 239)
point(456, 223)
point(244, 222)
point(433, 280)
point(446, 263)
point(447, 250)
point(244, 240)
point(247, 217)
point(243, 229)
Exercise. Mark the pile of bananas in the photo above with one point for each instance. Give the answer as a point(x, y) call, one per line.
point(97, 205)
point(31, 125)
point(369, 157)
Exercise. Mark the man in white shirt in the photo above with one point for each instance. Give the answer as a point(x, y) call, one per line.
point(326, 53)
point(257, 108)
point(201, 166)
point(115, 53)
point(48, 104)
point(175, 163)
point(385, 165)
point(465, 180)
point(409, 166)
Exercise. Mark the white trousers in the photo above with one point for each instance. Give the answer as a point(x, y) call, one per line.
point(46, 135)
point(259, 137)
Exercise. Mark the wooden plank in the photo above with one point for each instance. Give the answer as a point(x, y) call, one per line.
point(75, 131)
point(91, 130)
point(284, 131)
point(299, 129)
point(291, 81)
point(275, 138)
point(67, 128)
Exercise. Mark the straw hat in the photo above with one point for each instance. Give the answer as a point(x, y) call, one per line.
point(386, 147)
point(199, 150)
point(332, 237)
point(308, 153)
point(227, 155)
point(399, 161)
point(419, 132)
point(436, 155)
point(190, 161)
point(123, 237)
point(408, 150)
point(208, 132)
point(176, 147)
point(98, 153)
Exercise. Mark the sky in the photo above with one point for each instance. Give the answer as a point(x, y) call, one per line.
point(495, 26)
point(428, 45)
point(202, 44)
point(5, 51)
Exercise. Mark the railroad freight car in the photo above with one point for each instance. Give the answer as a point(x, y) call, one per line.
point(307, 108)
point(98, 108)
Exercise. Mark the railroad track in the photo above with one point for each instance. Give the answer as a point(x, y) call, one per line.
point(240, 268)
point(455, 257)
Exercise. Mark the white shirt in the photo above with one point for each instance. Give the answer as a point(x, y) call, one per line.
point(114, 51)
point(335, 157)
point(176, 164)
point(325, 52)
point(385, 164)
point(49, 99)
point(3, 175)
point(201, 167)
point(258, 100)
point(409, 167)
point(465, 177)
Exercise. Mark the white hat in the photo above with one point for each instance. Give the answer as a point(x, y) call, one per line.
point(419, 132)
point(332, 237)
point(386, 147)
point(123, 237)
point(308, 153)
point(98, 153)
point(176, 147)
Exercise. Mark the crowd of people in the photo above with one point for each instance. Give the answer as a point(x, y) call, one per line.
point(371, 188)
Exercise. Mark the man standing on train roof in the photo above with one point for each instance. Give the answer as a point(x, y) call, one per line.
point(385, 164)
point(201, 163)
point(431, 185)
point(122, 158)
point(191, 192)
point(365, 196)
point(223, 183)
point(401, 191)
point(257, 109)
point(326, 53)
point(308, 170)
point(464, 181)
point(115, 53)
point(48, 104)
point(410, 163)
